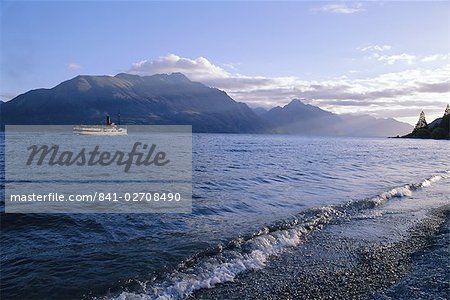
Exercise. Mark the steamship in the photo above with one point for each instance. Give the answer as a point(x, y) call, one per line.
point(109, 128)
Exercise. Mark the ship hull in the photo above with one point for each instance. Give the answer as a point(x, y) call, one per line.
point(100, 130)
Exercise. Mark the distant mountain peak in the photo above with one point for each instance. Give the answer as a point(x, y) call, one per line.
point(179, 77)
point(259, 110)
point(295, 103)
point(127, 76)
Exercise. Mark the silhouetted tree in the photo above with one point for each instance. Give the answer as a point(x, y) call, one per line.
point(422, 123)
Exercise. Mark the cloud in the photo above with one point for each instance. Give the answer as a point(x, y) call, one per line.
point(413, 89)
point(341, 8)
point(439, 87)
point(435, 57)
point(73, 66)
point(232, 66)
point(375, 53)
point(379, 48)
point(392, 59)
point(198, 69)
point(376, 50)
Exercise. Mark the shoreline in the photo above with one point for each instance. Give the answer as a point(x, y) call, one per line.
point(330, 265)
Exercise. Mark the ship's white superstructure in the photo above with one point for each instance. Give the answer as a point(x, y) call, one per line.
point(108, 129)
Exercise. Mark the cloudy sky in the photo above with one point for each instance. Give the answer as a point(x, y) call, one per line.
point(388, 59)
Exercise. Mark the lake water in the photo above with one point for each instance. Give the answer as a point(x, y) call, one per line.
point(257, 199)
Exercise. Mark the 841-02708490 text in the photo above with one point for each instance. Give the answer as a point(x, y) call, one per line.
point(100, 197)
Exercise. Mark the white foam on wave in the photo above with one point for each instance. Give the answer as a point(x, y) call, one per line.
point(406, 191)
point(397, 192)
point(254, 252)
point(224, 266)
point(435, 178)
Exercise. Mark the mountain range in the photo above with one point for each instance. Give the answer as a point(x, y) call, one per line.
point(304, 119)
point(158, 99)
point(174, 99)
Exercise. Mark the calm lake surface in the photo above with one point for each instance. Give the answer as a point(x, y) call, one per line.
point(255, 198)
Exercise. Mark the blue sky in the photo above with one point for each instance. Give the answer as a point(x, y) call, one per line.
point(383, 58)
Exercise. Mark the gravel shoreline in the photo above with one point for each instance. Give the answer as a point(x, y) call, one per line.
point(333, 265)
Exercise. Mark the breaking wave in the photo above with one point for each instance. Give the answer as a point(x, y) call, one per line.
point(224, 263)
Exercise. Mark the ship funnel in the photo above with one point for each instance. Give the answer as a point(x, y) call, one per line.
point(108, 120)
